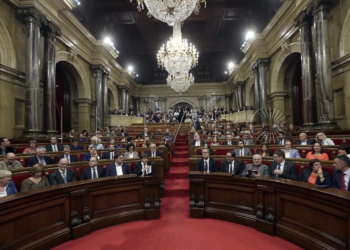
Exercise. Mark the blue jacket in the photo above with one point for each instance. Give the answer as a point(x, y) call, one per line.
point(11, 188)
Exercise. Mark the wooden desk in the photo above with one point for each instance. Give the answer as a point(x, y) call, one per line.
point(43, 218)
point(295, 211)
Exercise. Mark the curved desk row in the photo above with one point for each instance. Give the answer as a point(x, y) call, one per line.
point(43, 218)
point(298, 212)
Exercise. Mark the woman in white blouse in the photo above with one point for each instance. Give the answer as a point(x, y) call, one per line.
point(130, 153)
point(321, 137)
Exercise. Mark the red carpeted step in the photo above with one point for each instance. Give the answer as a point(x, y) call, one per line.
point(179, 164)
point(176, 187)
point(181, 148)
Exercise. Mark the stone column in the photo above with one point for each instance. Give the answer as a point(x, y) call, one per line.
point(208, 102)
point(155, 103)
point(163, 104)
point(98, 74)
point(200, 101)
point(49, 74)
point(263, 63)
point(137, 104)
point(105, 75)
point(240, 86)
point(324, 88)
point(236, 97)
point(127, 101)
point(255, 70)
point(33, 21)
point(123, 98)
point(303, 21)
point(228, 102)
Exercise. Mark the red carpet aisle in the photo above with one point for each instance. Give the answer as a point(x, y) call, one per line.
point(175, 230)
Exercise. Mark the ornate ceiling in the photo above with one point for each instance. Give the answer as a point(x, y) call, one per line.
point(218, 32)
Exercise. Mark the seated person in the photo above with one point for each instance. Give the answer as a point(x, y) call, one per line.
point(241, 150)
point(144, 167)
point(5, 146)
point(211, 152)
point(154, 152)
point(75, 145)
point(40, 158)
point(71, 133)
point(289, 151)
point(130, 152)
point(207, 164)
point(147, 143)
point(7, 187)
point(53, 146)
point(303, 140)
point(247, 140)
point(281, 138)
point(93, 171)
point(96, 142)
point(139, 138)
point(256, 169)
point(232, 165)
point(322, 138)
point(197, 141)
point(315, 175)
point(341, 173)
point(344, 149)
point(32, 147)
point(66, 155)
point(36, 180)
point(93, 152)
point(118, 167)
point(10, 162)
point(81, 137)
point(63, 174)
point(229, 140)
point(215, 142)
point(264, 150)
point(317, 152)
point(110, 154)
point(282, 168)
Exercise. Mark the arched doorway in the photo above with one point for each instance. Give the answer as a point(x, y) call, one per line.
point(183, 105)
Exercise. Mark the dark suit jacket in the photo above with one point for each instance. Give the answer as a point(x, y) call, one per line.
point(34, 160)
point(86, 157)
point(158, 153)
point(11, 188)
point(138, 169)
point(278, 142)
point(86, 173)
point(308, 142)
point(307, 172)
point(10, 150)
point(77, 148)
point(213, 165)
point(111, 171)
point(238, 167)
point(197, 125)
point(194, 143)
point(56, 177)
point(49, 148)
point(71, 157)
point(337, 180)
point(106, 155)
point(289, 170)
point(232, 143)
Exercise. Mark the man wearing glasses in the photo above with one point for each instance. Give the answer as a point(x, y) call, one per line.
point(232, 165)
point(154, 152)
point(93, 172)
point(281, 168)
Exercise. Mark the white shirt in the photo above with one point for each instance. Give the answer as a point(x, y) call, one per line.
point(65, 174)
point(206, 160)
point(119, 169)
point(281, 166)
point(43, 161)
point(153, 154)
point(303, 143)
point(131, 155)
point(92, 172)
point(232, 164)
point(54, 147)
point(347, 177)
point(287, 153)
point(4, 194)
point(241, 151)
point(198, 143)
point(67, 157)
point(148, 171)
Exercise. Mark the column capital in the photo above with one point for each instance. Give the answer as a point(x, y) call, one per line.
point(137, 98)
point(97, 68)
point(255, 67)
point(302, 19)
point(317, 5)
point(105, 72)
point(228, 96)
point(32, 15)
point(264, 62)
point(240, 84)
point(51, 30)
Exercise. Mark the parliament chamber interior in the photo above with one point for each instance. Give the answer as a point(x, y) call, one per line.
point(197, 124)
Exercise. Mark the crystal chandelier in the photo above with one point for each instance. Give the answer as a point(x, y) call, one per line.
point(180, 84)
point(177, 57)
point(170, 11)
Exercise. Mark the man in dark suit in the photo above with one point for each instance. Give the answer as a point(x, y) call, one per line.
point(196, 124)
point(118, 167)
point(75, 145)
point(53, 147)
point(110, 154)
point(303, 140)
point(40, 158)
point(281, 139)
point(197, 141)
point(66, 155)
point(282, 168)
point(144, 167)
point(207, 164)
point(232, 165)
point(92, 172)
point(93, 152)
point(5, 146)
point(341, 174)
point(154, 152)
point(146, 133)
point(229, 141)
point(62, 174)
point(81, 138)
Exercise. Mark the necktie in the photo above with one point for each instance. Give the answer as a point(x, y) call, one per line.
point(281, 142)
point(241, 153)
point(145, 170)
point(68, 158)
point(41, 162)
point(245, 142)
point(343, 182)
point(64, 176)
point(112, 155)
point(279, 168)
point(229, 143)
point(153, 154)
point(230, 170)
point(205, 166)
point(94, 176)
point(54, 148)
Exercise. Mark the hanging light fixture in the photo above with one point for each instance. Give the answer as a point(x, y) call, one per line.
point(180, 84)
point(177, 57)
point(170, 11)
